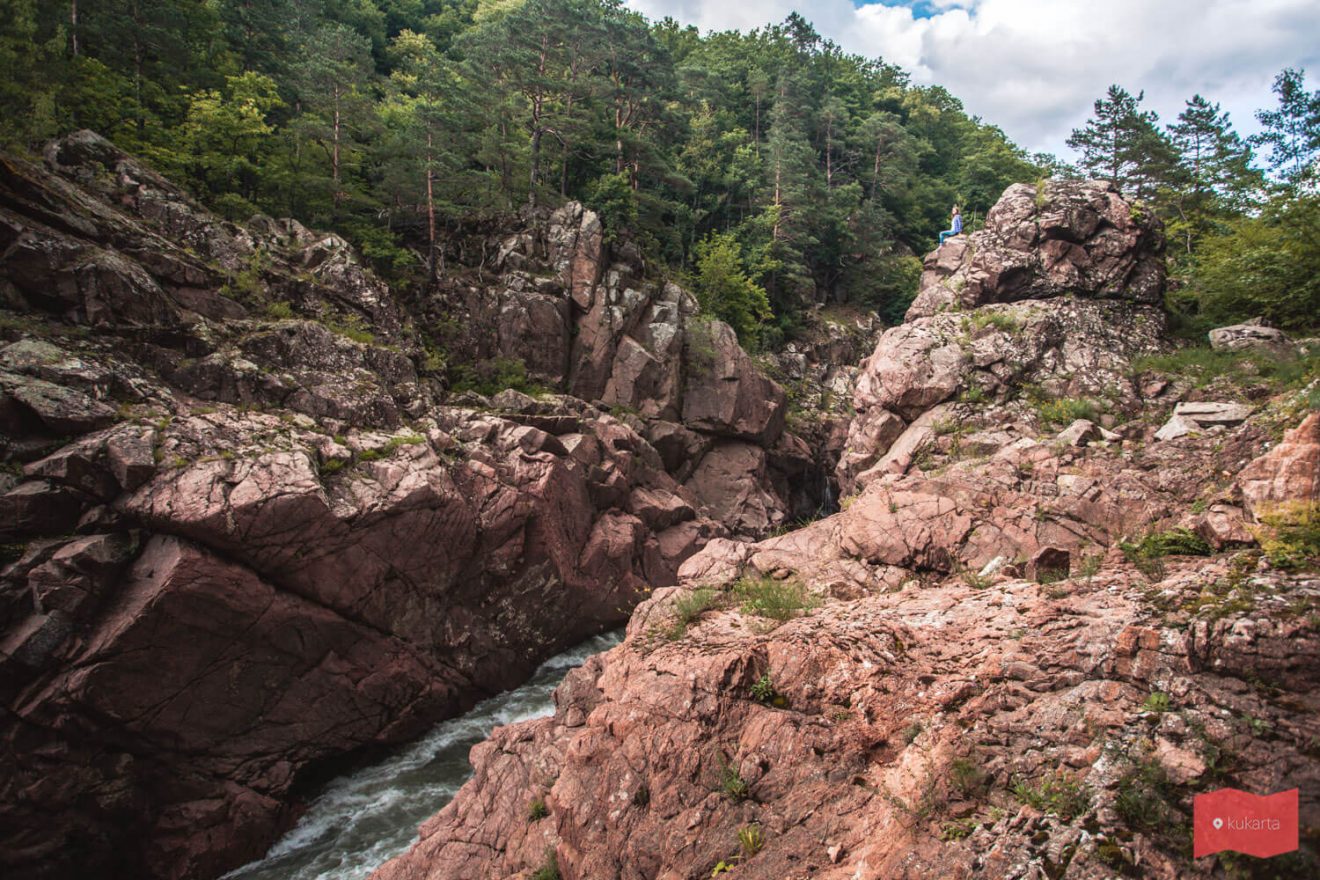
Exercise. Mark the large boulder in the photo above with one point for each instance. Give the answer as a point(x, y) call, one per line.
point(724, 392)
point(1252, 335)
point(1059, 237)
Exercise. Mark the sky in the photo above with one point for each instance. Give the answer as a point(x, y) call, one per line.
point(1036, 67)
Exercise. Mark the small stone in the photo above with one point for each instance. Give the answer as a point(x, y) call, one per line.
point(1079, 433)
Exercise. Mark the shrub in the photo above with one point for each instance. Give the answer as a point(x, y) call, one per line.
point(966, 778)
point(1204, 366)
point(1174, 542)
point(1266, 265)
point(724, 289)
point(493, 376)
point(767, 597)
point(279, 311)
point(732, 784)
point(750, 840)
point(1140, 801)
point(612, 197)
point(1290, 535)
point(1002, 321)
point(1156, 702)
point(352, 326)
point(1058, 793)
point(549, 869)
point(537, 810)
point(1065, 411)
point(763, 690)
point(689, 607)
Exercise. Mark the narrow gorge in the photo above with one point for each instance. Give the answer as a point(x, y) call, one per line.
point(968, 608)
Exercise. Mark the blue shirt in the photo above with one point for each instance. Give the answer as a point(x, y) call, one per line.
point(957, 223)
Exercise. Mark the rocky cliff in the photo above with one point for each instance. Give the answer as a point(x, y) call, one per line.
point(1040, 624)
point(250, 531)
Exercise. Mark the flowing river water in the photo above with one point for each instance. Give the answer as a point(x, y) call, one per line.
point(360, 821)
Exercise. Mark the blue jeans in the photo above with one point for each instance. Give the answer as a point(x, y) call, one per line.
point(946, 234)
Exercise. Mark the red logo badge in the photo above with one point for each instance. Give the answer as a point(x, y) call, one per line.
point(1258, 825)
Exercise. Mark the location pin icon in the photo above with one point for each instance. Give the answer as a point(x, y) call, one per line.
point(1218, 823)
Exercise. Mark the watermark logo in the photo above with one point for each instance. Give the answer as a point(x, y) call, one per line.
point(1257, 825)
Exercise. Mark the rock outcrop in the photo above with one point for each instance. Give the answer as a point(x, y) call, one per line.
point(994, 660)
point(246, 536)
point(1058, 237)
point(906, 723)
point(585, 318)
point(923, 374)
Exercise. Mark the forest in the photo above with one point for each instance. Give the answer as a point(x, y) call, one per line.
point(770, 170)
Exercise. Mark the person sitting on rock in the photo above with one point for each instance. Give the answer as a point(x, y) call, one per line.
point(957, 226)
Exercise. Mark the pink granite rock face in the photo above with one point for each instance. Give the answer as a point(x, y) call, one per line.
point(247, 543)
point(915, 718)
point(1065, 237)
point(1288, 472)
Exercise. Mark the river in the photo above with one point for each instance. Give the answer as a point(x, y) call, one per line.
point(359, 821)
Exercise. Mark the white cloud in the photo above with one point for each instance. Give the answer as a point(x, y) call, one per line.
point(1034, 67)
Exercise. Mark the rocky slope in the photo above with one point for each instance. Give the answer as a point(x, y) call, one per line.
point(249, 531)
point(1034, 631)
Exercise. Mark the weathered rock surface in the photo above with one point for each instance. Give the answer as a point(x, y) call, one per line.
point(1288, 472)
point(911, 716)
point(854, 693)
point(902, 723)
point(583, 317)
point(1251, 336)
point(1066, 237)
point(243, 537)
point(1062, 348)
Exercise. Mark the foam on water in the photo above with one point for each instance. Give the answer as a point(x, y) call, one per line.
point(360, 821)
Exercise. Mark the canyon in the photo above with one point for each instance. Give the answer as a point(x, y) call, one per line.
point(992, 592)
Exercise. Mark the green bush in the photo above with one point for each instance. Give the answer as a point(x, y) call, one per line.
point(1156, 702)
point(1290, 535)
point(732, 784)
point(1266, 265)
point(724, 289)
point(612, 197)
point(1174, 542)
point(1059, 793)
point(493, 376)
point(1140, 801)
point(1204, 365)
point(750, 840)
point(689, 607)
point(549, 869)
point(279, 311)
point(1064, 411)
point(765, 596)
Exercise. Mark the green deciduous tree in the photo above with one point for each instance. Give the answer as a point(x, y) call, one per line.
point(724, 289)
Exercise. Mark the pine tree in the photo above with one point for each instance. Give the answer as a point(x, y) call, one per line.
point(1218, 179)
point(1292, 132)
point(332, 82)
point(1118, 144)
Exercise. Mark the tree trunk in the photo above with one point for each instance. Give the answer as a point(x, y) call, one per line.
point(757, 137)
point(334, 159)
point(430, 207)
point(73, 26)
point(534, 173)
point(829, 154)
